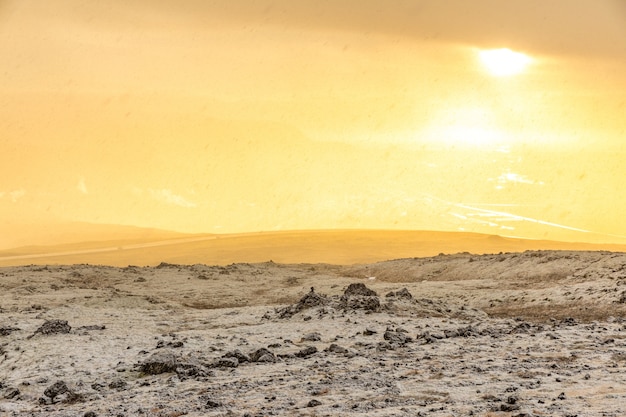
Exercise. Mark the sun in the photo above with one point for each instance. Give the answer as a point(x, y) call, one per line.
point(504, 62)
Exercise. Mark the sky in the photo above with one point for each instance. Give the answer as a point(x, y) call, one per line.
point(257, 115)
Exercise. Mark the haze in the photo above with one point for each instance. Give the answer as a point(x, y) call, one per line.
point(243, 116)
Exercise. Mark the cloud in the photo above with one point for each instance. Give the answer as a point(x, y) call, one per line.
point(512, 177)
point(13, 195)
point(166, 196)
point(82, 188)
point(558, 26)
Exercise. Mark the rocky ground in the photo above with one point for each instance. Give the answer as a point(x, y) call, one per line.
point(520, 334)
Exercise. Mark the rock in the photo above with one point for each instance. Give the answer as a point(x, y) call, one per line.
point(521, 328)
point(90, 414)
point(397, 337)
point(227, 362)
point(118, 384)
point(166, 265)
point(311, 337)
point(192, 369)
point(91, 327)
point(262, 355)
point(159, 363)
point(307, 351)
point(402, 294)
point(53, 327)
point(569, 321)
point(5, 331)
point(56, 389)
point(359, 288)
point(11, 393)
point(212, 404)
point(337, 349)
point(366, 303)
point(369, 331)
point(310, 300)
point(314, 403)
point(509, 407)
point(449, 334)
point(239, 355)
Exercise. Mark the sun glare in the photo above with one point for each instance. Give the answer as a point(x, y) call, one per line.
point(504, 62)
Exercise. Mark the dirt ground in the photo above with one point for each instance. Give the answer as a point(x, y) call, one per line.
point(515, 334)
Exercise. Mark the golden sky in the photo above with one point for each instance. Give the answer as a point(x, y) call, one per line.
point(231, 116)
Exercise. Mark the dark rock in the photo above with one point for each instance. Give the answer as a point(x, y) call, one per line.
point(90, 414)
point(191, 368)
point(449, 334)
point(337, 349)
point(227, 362)
point(91, 327)
point(307, 351)
point(11, 393)
point(53, 327)
point(56, 389)
point(212, 404)
point(314, 403)
point(167, 265)
point(368, 331)
point(460, 332)
point(521, 328)
point(428, 338)
point(310, 300)
point(366, 303)
point(509, 407)
point(159, 363)
point(118, 384)
point(262, 355)
point(402, 294)
point(239, 355)
point(311, 337)
point(360, 289)
point(5, 331)
point(397, 337)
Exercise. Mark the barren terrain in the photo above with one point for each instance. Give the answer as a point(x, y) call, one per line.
point(538, 333)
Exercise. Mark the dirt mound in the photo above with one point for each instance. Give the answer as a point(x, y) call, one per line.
point(358, 288)
point(310, 300)
point(53, 327)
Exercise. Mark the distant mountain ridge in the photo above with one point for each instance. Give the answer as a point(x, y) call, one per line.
point(17, 235)
point(136, 246)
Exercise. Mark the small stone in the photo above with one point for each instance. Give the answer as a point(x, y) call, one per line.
point(311, 337)
point(159, 363)
point(314, 403)
point(509, 407)
point(403, 293)
point(11, 393)
point(369, 331)
point(397, 337)
point(227, 362)
point(240, 356)
point(307, 351)
point(212, 404)
point(53, 327)
point(359, 289)
point(262, 355)
point(118, 384)
point(337, 349)
point(58, 388)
